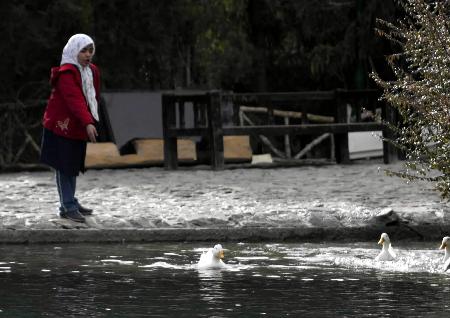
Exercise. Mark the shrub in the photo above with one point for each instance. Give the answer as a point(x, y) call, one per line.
point(420, 90)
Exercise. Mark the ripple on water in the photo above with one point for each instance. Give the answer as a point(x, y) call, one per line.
point(251, 258)
point(5, 269)
point(166, 265)
point(117, 261)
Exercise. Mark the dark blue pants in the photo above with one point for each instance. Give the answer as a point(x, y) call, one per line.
point(66, 185)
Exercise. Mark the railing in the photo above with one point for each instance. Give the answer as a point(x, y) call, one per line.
point(20, 133)
point(208, 122)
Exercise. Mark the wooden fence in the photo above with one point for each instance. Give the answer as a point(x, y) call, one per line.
point(207, 111)
point(20, 133)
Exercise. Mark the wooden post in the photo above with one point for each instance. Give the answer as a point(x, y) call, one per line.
point(203, 116)
point(304, 107)
point(287, 141)
point(196, 110)
point(169, 122)
point(182, 122)
point(341, 140)
point(215, 131)
point(266, 101)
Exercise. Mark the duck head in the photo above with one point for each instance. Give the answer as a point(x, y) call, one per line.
point(218, 251)
point(445, 243)
point(384, 238)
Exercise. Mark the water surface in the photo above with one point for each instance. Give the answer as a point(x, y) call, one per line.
point(261, 280)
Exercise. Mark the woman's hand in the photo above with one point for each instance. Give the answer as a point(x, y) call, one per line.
point(91, 132)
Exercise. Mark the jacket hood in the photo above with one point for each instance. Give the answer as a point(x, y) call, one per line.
point(54, 74)
point(57, 70)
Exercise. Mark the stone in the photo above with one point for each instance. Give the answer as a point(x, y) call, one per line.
point(387, 216)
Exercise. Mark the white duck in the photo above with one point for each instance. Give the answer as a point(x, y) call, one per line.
point(446, 245)
point(387, 252)
point(212, 259)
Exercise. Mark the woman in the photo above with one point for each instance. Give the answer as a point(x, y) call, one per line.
point(69, 121)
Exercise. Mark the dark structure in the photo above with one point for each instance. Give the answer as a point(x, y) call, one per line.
point(208, 119)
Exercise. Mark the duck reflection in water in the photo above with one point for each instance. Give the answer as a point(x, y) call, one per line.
point(211, 287)
point(210, 275)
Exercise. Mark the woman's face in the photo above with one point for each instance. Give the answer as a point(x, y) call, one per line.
point(85, 55)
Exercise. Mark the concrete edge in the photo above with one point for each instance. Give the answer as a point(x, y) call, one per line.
point(251, 234)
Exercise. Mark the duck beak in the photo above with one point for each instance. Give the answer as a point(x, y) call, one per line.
point(443, 245)
point(381, 241)
point(221, 255)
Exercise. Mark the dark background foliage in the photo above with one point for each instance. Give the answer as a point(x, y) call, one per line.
point(240, 45)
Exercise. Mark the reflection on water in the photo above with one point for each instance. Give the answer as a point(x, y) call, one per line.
point(269, 280)
point(211, 289)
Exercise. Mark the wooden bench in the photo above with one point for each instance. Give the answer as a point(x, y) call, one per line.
point(208, 121)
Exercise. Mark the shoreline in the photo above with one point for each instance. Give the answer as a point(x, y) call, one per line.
point(245, 234)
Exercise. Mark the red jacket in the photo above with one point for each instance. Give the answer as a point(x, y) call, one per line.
point(67, 113)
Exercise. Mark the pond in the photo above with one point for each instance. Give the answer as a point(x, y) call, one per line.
point(261, 280)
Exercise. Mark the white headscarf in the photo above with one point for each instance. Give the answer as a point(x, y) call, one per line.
point(70, 55)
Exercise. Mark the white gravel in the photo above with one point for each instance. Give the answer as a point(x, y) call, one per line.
point(330, 196)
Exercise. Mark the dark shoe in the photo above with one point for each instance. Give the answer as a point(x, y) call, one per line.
point(84, 211)
point(73, 216)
